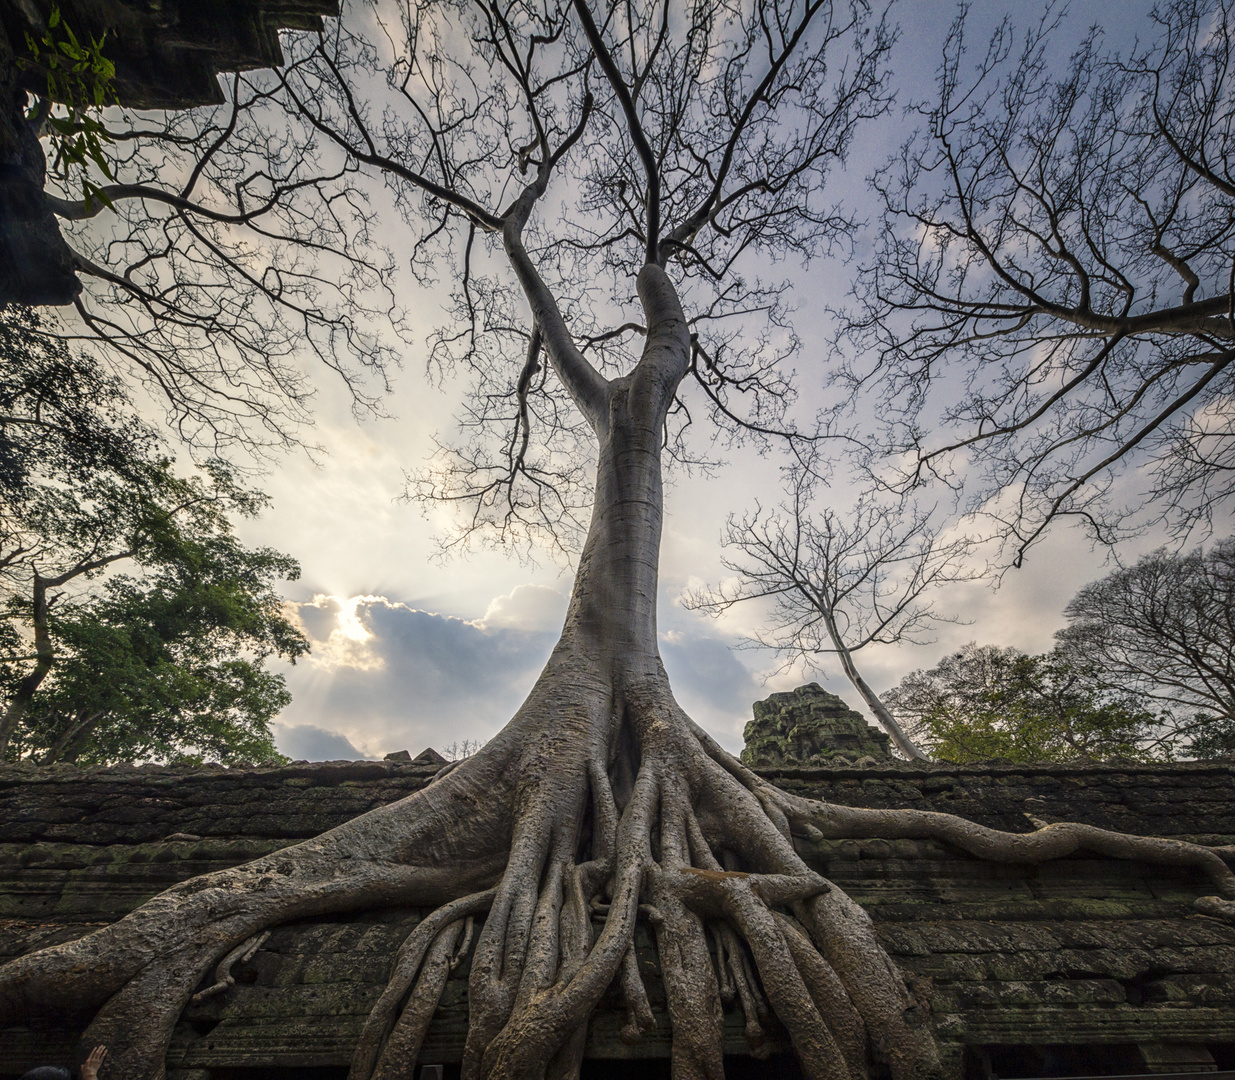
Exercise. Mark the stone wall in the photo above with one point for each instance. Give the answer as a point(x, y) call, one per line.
point(1079, 953)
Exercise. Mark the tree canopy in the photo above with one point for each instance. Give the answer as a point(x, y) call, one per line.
point(1046, 303)
point(522, 126)
point(1164, 629)
point(164, 659)
point(985, 702)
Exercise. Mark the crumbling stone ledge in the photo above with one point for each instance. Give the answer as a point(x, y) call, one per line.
point(1083, 951)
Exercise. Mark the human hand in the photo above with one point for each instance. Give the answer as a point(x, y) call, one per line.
point(90, 1067)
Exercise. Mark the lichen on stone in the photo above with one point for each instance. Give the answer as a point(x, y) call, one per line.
point(809, 726)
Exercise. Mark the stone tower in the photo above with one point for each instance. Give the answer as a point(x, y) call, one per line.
point(809, 726)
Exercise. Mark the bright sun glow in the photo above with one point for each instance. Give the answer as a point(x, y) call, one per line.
point(349, 622)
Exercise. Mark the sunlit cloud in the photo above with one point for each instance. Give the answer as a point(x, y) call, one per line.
point(385, 675)
point(525, 607)
point(347, 641)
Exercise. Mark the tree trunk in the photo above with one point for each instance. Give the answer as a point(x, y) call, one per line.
point(19, 704)
point(71, 741)
point(903, 742)
point(599, 801)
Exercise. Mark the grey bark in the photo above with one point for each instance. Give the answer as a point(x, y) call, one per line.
point(681, 834)
point(903, 742)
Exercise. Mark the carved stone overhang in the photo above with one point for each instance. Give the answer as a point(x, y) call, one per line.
point(1082, 952)
point(168, 54)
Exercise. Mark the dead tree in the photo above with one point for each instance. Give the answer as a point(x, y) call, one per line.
point(576, 156)
point(838, 582)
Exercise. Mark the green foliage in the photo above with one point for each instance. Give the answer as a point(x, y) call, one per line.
point(1211, 736)
point(985, 702)
point(168, 666)
point(79, 79)
point(164, 660)
point(61, 416)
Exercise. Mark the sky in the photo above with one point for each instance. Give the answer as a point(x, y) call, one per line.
point(409, 651)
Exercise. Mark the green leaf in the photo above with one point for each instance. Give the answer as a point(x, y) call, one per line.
point(165, 654)
point(93, 191)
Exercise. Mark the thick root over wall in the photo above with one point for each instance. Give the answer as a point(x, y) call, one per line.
point(598, 806)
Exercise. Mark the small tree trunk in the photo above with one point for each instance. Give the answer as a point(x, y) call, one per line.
point(19, 704)
point(903, 743)
point(69, 745)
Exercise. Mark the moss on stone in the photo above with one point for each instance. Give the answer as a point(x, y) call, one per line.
point(809, 726)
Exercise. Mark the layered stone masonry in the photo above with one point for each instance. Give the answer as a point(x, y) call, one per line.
point(1083, 952)
point(810, 726)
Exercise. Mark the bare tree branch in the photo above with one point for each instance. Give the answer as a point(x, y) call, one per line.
point(1054, 281)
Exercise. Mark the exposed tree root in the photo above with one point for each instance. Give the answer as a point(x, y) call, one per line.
point(424, 959)
point(820, 820)
point(223, 977)
point(563, 846)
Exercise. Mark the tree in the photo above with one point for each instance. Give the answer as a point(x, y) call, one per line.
point(163, 663)
point(59, 414)
point(168, 667)
point(561, 162)
point(1164, 629)
point(986, 702)
point(839, 582)
point(1052, 280)
point(179, 222)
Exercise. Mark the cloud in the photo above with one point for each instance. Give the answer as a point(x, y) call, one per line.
point(710, 682)
point(525, 607)
point(304, 742)
point(387, 676)
point(337, 629)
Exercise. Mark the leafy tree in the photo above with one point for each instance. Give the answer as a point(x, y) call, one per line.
point(60, 414)
point(168, 667)
point(163, 662)
point(611, 195)
point(1164, 629)
point(986, 702)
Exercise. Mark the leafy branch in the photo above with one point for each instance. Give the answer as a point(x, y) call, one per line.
point(79, 79)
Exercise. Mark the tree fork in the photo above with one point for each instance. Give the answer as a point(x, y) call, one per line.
point(600, 796)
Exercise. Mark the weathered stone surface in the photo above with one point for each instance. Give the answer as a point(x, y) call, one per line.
point(809, 726)
point(168, 54)
point(1083, 951)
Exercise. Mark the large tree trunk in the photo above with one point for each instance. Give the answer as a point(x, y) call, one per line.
point(598, 805)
